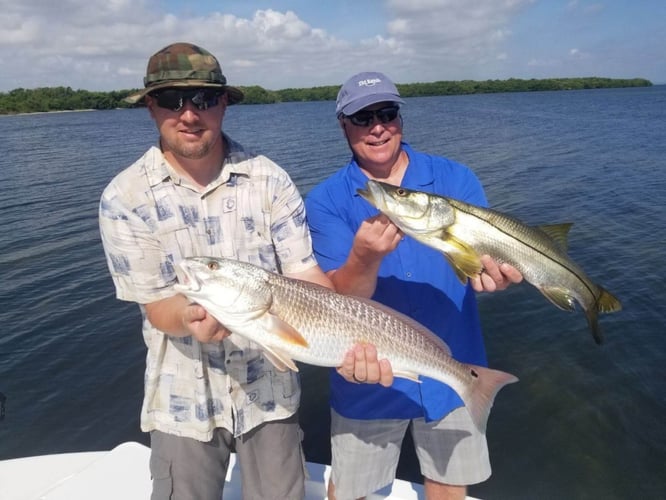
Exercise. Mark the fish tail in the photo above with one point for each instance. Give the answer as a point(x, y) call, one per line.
point(606, 302)
point(480, 401)
point(592, 316)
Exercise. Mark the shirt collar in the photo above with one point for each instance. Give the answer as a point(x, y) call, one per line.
point(159, 170)
point(414, 177)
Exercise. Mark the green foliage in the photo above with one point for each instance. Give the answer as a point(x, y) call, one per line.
point(328, 93)
point(64, 98)
point(259, 95)
point(59, 99)
point(515, 85)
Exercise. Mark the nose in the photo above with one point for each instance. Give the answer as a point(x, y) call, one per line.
point(189, 111)
point(376, 122)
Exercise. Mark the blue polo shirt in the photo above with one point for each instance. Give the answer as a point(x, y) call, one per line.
point(413, 279)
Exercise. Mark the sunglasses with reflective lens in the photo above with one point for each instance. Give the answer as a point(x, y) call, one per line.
point(175, 99)
point(365, 117)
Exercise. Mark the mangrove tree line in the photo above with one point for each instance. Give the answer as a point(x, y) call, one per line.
point(66, 99)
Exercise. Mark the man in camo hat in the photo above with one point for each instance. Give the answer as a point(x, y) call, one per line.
point(197, 192)
point(183, 65)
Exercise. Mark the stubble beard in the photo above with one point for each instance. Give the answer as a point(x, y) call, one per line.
point(191, 151)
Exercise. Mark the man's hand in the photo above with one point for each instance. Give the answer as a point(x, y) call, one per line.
point(361, 366)
point(203, 327)
point(376, 237)
point(495, 277)
point(179, 317)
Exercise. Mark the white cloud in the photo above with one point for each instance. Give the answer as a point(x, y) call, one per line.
point(445, 38)
point(105, 44)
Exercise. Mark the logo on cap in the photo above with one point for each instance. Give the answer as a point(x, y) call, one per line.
point(369, 82)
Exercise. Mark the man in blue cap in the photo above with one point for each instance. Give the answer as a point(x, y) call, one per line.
point(366, 255)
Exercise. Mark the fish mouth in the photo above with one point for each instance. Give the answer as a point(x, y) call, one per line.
point(366, 194)
point(187, 281)
point(373, 193)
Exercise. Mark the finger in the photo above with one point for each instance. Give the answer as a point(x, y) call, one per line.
point(373, 370)
point(223, 332)
point(360, 369)
point(489, 284)
point(511, 273)
point(383, 218)
point(346, 370)
point(476, 283)
point(386, 378)
point(190, 314)
point(491, 269)
point(220, 335)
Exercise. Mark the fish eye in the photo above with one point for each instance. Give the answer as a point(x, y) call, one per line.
point(212, 265)
point(401, 192)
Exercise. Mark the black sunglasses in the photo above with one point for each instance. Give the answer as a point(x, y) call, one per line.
point(365, 117)
point(175, 99)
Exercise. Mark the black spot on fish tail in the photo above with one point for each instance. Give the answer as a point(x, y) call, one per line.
point(488, 383)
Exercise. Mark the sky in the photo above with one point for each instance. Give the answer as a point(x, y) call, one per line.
point(104, 45)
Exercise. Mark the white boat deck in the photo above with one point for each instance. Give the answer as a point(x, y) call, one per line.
point(123, 473)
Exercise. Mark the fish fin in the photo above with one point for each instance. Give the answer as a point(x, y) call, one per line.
point(560, 297)
point(592, 316)
point(480, 401)
point(414, 377)
point(462, 257)
point(607, 302)
point(460, 274)
point(559, 233)
point(284, 330)
point(280, 360)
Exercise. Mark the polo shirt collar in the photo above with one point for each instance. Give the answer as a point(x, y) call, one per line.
point(414, 178)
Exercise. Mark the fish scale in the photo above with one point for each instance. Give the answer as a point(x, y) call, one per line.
point(297, 320)
point(464, 232)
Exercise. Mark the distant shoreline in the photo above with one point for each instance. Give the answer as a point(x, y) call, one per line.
point(65, 99)
point(48, 112)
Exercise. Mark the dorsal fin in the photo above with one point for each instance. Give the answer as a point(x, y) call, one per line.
point(559, 233)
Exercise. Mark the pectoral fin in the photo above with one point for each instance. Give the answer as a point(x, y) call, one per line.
point(280, 360)
point(283, 332)
point(287, 333)
point(462, 257)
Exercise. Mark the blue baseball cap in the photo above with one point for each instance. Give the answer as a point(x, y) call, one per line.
point(365, 89)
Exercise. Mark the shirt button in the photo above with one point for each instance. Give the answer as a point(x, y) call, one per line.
point(409, 275)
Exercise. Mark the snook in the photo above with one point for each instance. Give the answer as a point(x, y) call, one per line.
point(297, 320)
point(464, 232)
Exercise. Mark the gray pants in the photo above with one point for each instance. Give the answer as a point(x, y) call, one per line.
point(270, 457)
point(365, 453)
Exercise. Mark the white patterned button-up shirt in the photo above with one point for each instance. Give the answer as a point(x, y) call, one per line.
point(150, 219)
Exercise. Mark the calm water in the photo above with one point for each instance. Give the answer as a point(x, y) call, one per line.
point(584, 421)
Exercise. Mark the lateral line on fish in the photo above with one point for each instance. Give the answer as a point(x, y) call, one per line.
point(517, 237)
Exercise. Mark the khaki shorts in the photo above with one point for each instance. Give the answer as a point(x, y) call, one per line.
point(271, 462)
point(365, 453)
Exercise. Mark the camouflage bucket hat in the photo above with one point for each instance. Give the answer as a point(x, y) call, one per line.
point(184, 65)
